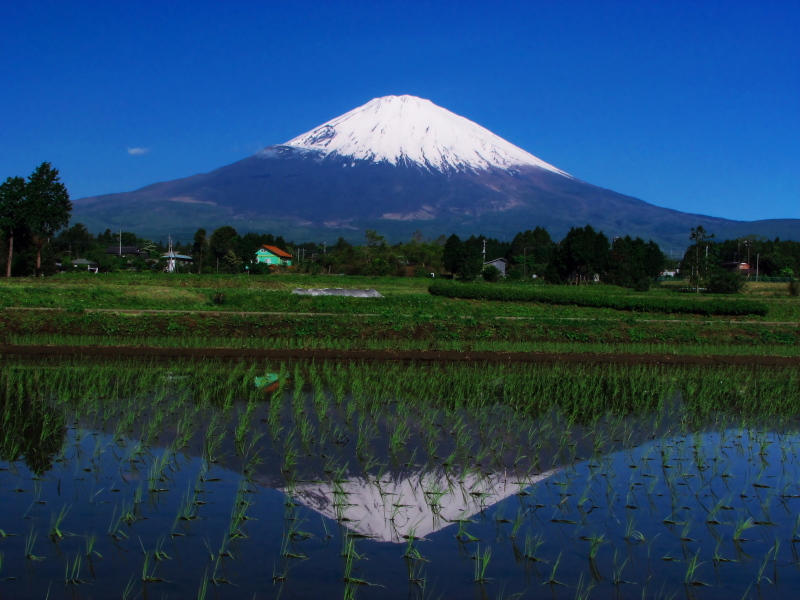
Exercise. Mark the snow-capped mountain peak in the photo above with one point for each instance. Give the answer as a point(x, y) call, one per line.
point(410, 130)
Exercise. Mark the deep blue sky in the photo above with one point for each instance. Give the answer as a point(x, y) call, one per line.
point(689, 105)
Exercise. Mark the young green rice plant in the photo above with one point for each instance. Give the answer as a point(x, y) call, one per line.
point(306, 430)
point(30, 541)
point(114, 531)
point(290, 455)
point(203, 589)
point(595, 541)
point(55, 524)
point(771, 555)
point(464, 536)
point(691, 567)
point(222, 551)
point(718, 558)
point(685, 531)
point(72, 573)
point(149, 573)
point(158, 553)
point(796, 529)
point(552, 579)
point(519, 519)
point(156, 475)
point(90, 541)
point(481, 563)
point(617, 570)
point(742, 525)
point(215, 434)
point(415, 571)
point(532, 545)
point(584, 588)
point(184, 430)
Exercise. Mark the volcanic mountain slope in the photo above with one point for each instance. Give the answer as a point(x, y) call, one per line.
point(397, 164)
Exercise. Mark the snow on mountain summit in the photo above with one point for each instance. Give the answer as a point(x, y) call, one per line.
point(410, 130)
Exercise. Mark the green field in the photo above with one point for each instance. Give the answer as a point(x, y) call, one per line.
point(233, 311)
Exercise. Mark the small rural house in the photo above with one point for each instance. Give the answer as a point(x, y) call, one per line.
point(173, 260)
point(500, 263)
point(81, 263)
point(739, 267)
point(272, 255)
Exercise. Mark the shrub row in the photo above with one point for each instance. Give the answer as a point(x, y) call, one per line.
point(593, 298)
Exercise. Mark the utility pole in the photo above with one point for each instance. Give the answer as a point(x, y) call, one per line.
point(747, 243)
point(524, 262)
point(120, 242)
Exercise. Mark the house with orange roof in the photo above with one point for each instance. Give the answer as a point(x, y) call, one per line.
point(272, 255)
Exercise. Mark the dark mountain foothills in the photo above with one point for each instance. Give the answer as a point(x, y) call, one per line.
point(304, 194)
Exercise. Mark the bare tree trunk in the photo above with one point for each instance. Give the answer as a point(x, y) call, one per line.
point(10, 254)
point(40, 242)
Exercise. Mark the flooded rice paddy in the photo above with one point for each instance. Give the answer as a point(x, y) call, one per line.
point(207, 479)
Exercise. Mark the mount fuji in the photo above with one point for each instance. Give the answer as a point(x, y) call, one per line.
point(397, 164)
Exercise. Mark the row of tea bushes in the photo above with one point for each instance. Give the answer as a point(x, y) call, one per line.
point(594, 297)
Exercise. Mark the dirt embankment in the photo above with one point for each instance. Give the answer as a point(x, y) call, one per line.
point(418, 356)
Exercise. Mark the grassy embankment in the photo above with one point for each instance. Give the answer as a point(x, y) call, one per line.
point(260, 312)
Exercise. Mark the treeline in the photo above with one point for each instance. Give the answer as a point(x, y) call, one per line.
point(224, 251)
point(35, 211)
point(768, 258)
point(582, 256)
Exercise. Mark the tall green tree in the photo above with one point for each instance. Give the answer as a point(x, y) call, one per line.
point(47, 207)
point(634, 263)
point(698, 256)
point(199, 247)
point(77, 240)
point(583, 253)
point(472, 264)
point(223, 240)
point(533, 250)
point(422, 254)
point(453, 254)
point(12, 214)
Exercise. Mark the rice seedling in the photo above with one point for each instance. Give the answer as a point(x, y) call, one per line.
point(149, 574)
point(55, 524)
point(481, 563)
point(551, 581)
point(770, 556)
point(742, 525)
point(72, 572)
point(91, 553)
point(691, 567)
point(30, 541)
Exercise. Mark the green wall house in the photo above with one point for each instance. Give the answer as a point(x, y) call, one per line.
point(272, 255)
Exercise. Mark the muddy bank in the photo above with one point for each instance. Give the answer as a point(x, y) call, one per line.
point(418, 356)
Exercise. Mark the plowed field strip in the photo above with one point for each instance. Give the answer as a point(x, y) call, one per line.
point(417, 356)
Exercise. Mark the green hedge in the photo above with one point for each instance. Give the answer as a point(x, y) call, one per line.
point(593, 297)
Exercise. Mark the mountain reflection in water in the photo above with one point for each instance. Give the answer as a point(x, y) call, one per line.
point(414, 505)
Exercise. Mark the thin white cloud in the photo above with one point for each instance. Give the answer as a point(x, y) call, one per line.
point(138, 151)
